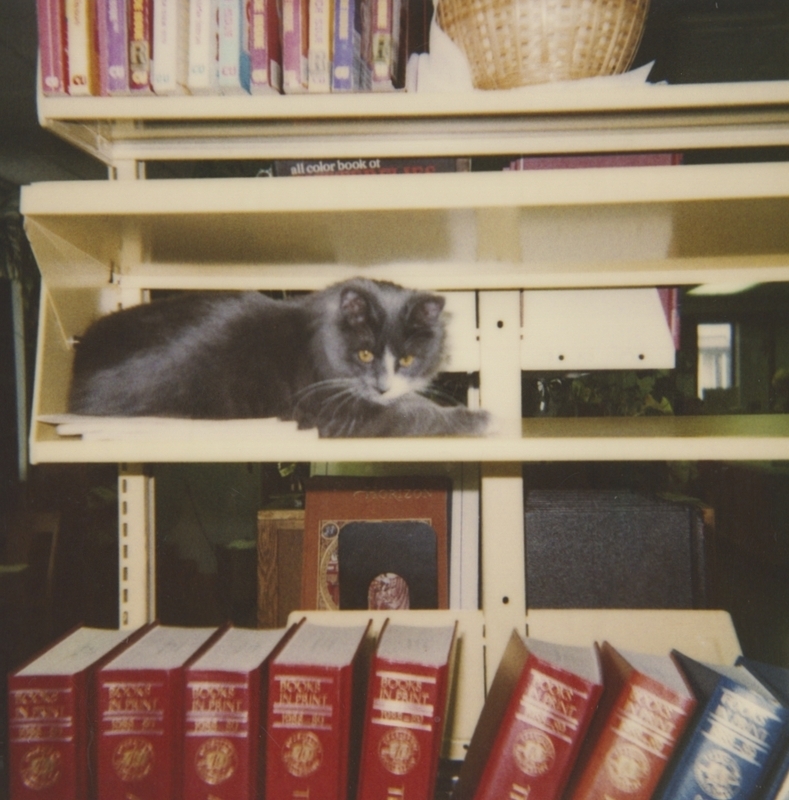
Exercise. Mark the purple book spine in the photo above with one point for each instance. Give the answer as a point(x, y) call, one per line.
point(111, 18)
point(51, 46)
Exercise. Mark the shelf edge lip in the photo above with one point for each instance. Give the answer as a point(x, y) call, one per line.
point(540, 188)
point(564, 98)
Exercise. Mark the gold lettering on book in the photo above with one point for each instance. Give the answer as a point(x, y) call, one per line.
point(550, 705)
point(133, 759)
point(40, 715)
point(627, 767)
point(395, 793)
point(399, 751)
point(40, 768)
point(302, 754)
point(216, 761)
point(652, 711)
point(218, 697)
point(404, 700)
point(302, 702)
point(518, 792)
point(533, 752)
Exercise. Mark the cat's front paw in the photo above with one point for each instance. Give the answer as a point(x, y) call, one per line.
point(471, 423)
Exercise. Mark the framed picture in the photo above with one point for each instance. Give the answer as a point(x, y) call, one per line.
point(376, 542)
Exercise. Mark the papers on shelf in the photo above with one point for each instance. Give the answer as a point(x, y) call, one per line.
point(126, 428)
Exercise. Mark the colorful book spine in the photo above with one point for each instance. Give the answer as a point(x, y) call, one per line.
point(295, 44)
point(170, 46)
point(319, 70)
point(82, 55)
point(203, 47)
point(113, 37)
point(312, 703)
point(733, 740)
point(346, 60)
point(50, 701)
point(631, 741)
point(52, 47)
point(384, 44)
point(265, 48)
point(233, 48)
point(140, 715)
point(140, 45)
point(406, 710)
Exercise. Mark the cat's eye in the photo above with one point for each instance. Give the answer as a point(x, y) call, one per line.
point(365, 356)
point(406, 361)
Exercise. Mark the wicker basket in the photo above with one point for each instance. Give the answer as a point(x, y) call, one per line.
point(517, 42)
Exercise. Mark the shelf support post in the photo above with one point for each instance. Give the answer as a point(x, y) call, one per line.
point(136, 547)
point(502, 545)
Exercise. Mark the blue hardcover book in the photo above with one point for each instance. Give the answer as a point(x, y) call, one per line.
point(777, 679)
point(730, 743)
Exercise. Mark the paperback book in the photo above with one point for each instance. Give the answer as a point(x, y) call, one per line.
point(52, 44)
point(112, 33)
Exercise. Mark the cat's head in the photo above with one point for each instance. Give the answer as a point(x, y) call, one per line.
point(388, 338)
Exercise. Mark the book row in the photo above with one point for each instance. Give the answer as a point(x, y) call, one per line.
point(202, 713)
point(338, 713)
point(166, 47)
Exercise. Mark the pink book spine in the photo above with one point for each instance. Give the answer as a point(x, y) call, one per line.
point(52, 47)
point(294, 46)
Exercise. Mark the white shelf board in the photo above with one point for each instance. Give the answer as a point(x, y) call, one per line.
point(566, 117)
point(737, 437)
point(355, 193)
point(567, 228)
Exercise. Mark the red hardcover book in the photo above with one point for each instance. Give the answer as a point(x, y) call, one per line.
point(49, 716)
point(140, 45)
point(265, 47)
point(539, 708)
point(406, 711)
point(315, 705)
point(52, 46)
point(225, 704)
point(645, 707)
point(140, 714)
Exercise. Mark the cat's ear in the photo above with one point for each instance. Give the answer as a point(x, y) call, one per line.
point(426, 310)
point(354, 307)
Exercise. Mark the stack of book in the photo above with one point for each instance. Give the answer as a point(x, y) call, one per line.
point(165, 47)
point(333, 711)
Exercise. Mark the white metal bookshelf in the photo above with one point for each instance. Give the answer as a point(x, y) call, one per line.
point(490, 236)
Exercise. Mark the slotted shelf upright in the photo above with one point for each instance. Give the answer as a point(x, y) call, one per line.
point(489, 236)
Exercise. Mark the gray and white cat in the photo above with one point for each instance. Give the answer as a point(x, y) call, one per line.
point(351, 360)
